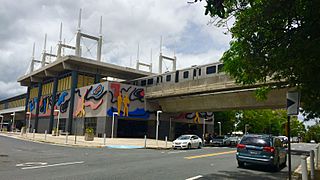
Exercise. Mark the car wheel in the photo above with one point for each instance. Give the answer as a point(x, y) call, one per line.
point(189, 146)
point(199, 146)
point(240, 164)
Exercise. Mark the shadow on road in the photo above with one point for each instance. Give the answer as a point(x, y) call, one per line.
point(247, 174)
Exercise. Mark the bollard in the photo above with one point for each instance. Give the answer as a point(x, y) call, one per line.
point(45, 135)
point(104, 139)
point(166, 141)
point(33, 133)
point(311, 164)
point(66, 138)
point(145, 141)
point(304, 170)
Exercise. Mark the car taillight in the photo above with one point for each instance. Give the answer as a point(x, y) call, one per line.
point(241, 146)
point(268, 149)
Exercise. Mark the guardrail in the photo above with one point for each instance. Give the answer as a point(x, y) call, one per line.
point(314, 163)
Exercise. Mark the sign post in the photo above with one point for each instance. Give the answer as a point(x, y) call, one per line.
point(293, 103)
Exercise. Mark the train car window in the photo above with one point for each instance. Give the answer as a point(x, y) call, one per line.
point(143, 82)
point(161, 79)
point(199, 72)
point(150, 81)
point(211, 69)
point(194, 72)
point(186, 74)
point(177, 76)
point(158, 79)
point(220, 68)
point(168, 78)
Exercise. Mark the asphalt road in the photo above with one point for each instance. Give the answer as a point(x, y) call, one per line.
point(27, 160)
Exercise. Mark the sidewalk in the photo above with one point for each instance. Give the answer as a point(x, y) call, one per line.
point(126, 143)
point(297, 174)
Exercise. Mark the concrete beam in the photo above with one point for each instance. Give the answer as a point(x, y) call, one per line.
point(35, 79)
point(50, 73)
point(223, 101)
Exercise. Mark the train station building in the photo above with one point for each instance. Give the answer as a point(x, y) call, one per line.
point(78, 92)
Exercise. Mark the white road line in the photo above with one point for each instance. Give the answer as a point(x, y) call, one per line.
point(195, 177)
point(52, 165)
point(176, 152)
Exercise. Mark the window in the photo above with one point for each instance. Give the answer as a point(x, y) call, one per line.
point(211, 69)
point(199, 72)
point(168, 78)
point(220, 68)
point(186, 74)
point(150, 81)
point(143, 82)
point(158, 79)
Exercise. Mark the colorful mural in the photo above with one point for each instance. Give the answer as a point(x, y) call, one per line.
point(89, 101)
point(45, 104)
point(96, 100)
point(127, 101)
point(196, 117)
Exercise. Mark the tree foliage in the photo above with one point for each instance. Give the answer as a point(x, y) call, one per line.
point(277, 39)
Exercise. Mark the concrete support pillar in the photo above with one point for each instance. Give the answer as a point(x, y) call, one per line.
point(160, 63)
point(174, 63)
point(74, 80)
point(37, 107)
point(54, 94)
point(26, 106)
point(78, 39)
point(97, 78)
point(99, 49)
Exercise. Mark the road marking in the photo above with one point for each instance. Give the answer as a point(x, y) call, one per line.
point(208, 155)
point(176, 152)
point(195, 177)
point(31, 164)
point(53, 165)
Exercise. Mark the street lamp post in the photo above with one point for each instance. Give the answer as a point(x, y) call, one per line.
point(219, 128)
point(157, 130)
point(13, 117)
point(58, 111)
point(1, 122)
point(113, 114)
point(29, 119)
point(204, 128)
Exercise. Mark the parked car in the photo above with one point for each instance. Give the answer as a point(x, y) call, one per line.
point(187, 142)
point(219, 141)
point(261, 150)
point(232, 141)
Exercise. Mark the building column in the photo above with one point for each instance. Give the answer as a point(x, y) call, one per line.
point(26, 106)
point(97, 78)
point(74, 81)
point(54, 94)
point(37, 107)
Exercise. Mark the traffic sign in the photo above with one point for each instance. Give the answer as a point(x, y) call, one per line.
point(293, 103)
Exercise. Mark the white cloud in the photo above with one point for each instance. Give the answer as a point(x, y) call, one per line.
point(125, 24)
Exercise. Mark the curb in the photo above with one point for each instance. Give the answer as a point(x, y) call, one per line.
point(69, 145)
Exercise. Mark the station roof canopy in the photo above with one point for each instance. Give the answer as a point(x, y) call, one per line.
point(84, 65)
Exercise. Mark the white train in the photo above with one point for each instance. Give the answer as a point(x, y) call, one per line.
point(187, 74)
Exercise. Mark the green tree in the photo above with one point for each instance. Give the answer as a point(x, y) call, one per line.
point(277, 39)
point(313, 133)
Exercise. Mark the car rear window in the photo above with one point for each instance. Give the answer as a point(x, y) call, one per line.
point(255, 141)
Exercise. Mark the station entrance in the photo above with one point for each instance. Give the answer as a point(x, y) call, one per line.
point(132, 128)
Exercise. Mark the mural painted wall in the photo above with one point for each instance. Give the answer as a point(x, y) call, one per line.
point(91, 101)
point(195, 117)
point(96, 100)
point(62, 104)
point(127, 100)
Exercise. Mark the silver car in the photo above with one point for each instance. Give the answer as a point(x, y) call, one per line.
point(187, 142)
